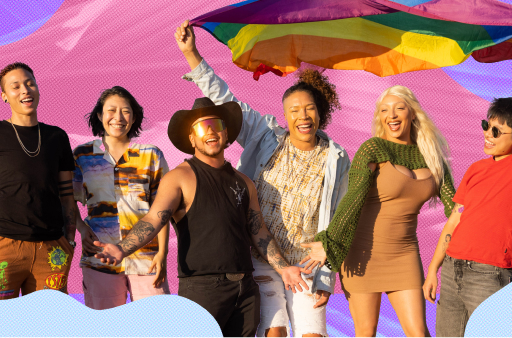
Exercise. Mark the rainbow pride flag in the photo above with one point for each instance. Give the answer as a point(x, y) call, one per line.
point(382, 37)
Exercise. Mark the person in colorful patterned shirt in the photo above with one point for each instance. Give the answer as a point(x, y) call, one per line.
point(300, 175)
point(118, 180)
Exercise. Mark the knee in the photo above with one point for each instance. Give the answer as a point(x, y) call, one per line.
point(276, 332)
point(419, 331)
point(367, 329)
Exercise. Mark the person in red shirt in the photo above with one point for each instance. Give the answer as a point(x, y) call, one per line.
point(475, 246)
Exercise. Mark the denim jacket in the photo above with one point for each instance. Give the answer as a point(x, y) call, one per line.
point(260, 136)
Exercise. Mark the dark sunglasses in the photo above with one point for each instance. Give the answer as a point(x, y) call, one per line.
point(495, 131)
point(201, 127)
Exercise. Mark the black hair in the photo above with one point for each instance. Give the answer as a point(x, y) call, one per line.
point(11, 67)
point(501, 109)
point(323, 93)
point(138, 112)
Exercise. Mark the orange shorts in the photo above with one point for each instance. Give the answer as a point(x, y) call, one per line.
point(32, 266)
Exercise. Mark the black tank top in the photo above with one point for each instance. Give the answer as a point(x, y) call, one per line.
point(213, 236)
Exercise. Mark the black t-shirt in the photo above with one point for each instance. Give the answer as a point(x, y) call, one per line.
point(30, 208)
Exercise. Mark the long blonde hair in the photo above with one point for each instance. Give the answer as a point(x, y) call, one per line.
point(424, 133)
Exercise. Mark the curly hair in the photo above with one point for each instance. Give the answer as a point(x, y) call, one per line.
point(323, 93)
point(11, 67)
point(97, 125)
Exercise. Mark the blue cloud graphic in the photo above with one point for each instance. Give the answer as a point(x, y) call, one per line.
point(53, 313)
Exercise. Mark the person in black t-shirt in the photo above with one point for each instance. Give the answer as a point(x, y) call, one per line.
point(217, 219)
point(37, 213)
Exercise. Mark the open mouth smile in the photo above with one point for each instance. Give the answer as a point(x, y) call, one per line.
point(395, 125)
point(305, 128)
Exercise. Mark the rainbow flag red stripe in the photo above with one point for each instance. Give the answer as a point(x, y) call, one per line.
point(379, 36)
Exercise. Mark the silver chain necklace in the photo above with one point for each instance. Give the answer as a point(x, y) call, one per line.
point(28, 152)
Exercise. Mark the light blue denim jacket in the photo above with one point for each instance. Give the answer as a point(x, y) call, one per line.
point(260, 136)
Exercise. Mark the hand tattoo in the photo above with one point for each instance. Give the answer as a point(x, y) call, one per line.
point(165, 216)
point(254, 221)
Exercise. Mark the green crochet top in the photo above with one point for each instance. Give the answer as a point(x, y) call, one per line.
point(338, 237)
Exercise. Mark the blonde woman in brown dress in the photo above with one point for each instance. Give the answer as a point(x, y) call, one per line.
point(373, 232)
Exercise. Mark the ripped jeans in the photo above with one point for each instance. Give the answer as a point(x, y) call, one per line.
point(278, 306)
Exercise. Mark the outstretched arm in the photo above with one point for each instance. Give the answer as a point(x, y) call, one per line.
point(166, 202)
point(267, 246)
point(430, 285)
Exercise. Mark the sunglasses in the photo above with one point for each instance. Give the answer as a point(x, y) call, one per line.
point(495, 131)
point(201, 127)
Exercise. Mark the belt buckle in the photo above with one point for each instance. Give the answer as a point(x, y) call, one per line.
point(235, 277)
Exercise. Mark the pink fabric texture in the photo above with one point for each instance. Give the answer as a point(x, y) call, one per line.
point(105, 290)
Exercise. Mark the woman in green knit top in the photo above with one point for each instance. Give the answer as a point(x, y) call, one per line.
point(372, 238)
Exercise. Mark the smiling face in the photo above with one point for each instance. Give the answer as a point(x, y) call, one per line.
point(500, 147)
point(117, 117)
point(396, 119)
point(303, 120)
point(213, 143)
point(21, 91)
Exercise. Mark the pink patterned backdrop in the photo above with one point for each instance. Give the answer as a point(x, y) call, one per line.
point(90, 45)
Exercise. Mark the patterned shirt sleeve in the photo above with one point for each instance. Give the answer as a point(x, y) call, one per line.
point(158, 169)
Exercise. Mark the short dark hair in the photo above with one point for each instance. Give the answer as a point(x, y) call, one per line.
point(323, 93)
point(501, 109)
point(11, 67)
point(138, 112)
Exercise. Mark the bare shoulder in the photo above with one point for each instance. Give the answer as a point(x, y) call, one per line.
point(179, 175)
point(248, 181)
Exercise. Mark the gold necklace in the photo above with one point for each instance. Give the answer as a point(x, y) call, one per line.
point(28, 152)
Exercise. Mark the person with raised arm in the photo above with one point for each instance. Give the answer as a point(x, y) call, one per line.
point(217, 219)
point(37, 211)
point(300, 174)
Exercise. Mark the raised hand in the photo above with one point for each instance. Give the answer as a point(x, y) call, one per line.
point(317, 256)
point(111, 254)
point(186, 40)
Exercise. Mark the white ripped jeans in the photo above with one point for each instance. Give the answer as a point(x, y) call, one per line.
point(278, 306)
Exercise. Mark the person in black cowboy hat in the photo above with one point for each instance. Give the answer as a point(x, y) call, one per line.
point(217, 219)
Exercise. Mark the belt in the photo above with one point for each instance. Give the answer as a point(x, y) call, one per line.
point(235, 277)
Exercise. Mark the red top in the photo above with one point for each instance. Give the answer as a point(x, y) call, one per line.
point(484, 233)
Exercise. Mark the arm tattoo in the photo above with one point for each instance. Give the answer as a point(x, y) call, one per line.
point(458, 209)
point(270, 249)
point(69, 216)
point(141, 231)
point(447, 240)
point(263, 244)
point(254, 221)
point(165, 216)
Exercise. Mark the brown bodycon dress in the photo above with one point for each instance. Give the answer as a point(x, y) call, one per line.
point(384, 255)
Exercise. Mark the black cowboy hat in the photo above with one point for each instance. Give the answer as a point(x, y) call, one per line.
point(181, 121)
